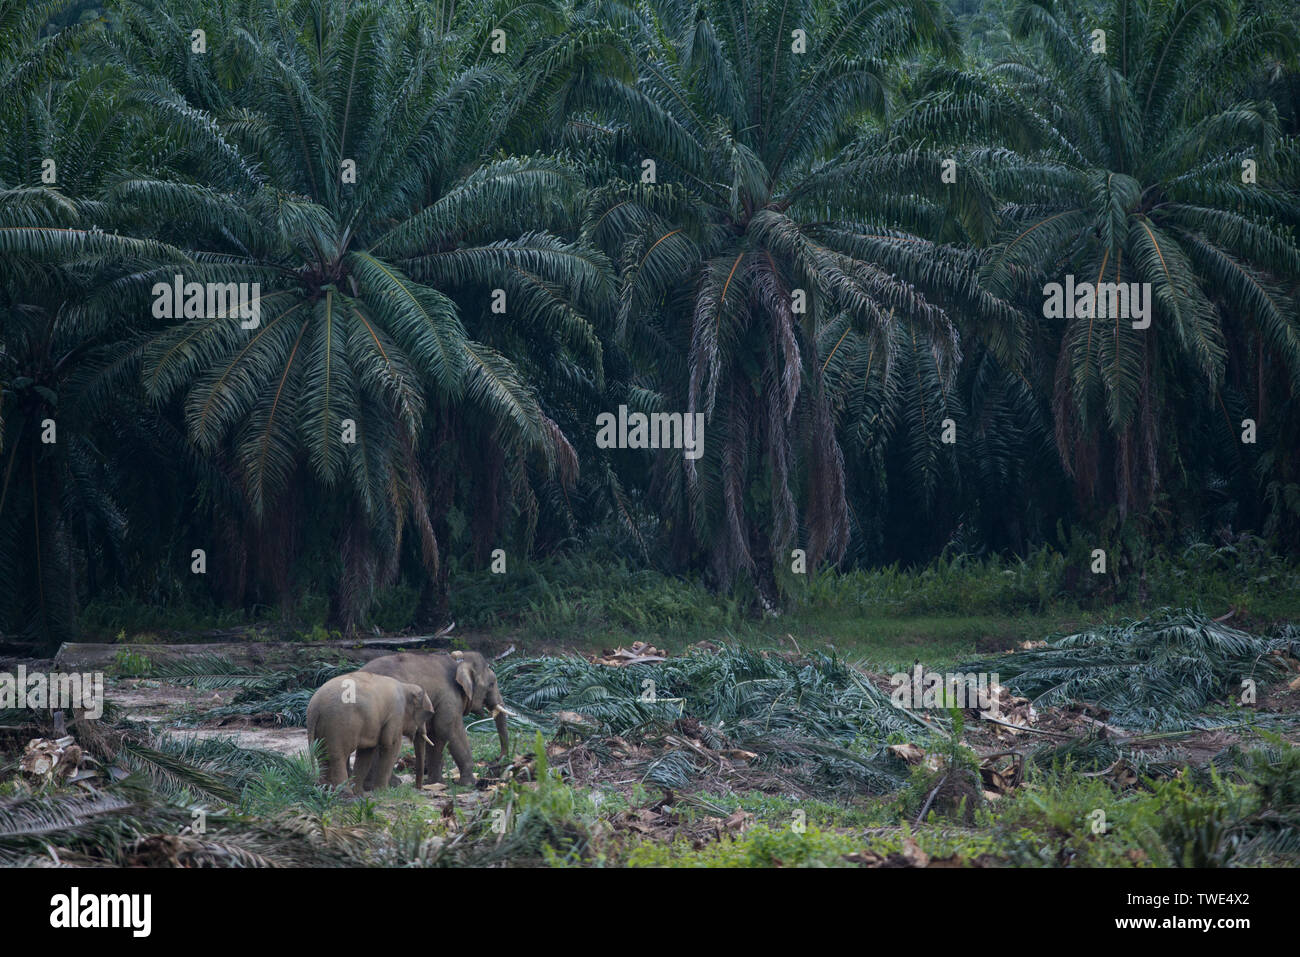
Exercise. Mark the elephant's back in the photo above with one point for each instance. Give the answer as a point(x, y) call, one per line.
point(333, 687)
point(426, 670)
point(387, 665)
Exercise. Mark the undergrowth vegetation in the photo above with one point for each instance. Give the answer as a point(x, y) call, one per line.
point(590, 598)
point(724, 757)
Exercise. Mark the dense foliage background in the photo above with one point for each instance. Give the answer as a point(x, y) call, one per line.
point(798, 145)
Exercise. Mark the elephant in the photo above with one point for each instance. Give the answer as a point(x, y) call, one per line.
point(367, 713)
point(458, 684)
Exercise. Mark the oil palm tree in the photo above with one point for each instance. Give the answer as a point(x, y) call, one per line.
point(788, 253)
point(63, 136)
point(1134, 159)
point(348, 158)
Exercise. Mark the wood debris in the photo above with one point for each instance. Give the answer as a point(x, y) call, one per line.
point(47, 758)
point(639, 653)
point(909, 752)
point(661, 822)
point(1011, 708)
point(1001, 773)
point(912, 855)
point(914, 754)
point(1285, 660)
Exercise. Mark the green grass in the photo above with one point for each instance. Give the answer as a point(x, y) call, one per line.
point(942, 613)
point(947, 611)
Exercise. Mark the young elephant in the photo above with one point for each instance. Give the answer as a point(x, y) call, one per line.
point(366, 713)
point(458, 684)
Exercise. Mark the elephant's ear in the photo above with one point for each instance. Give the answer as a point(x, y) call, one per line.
point(416, 698)
point(465, 678)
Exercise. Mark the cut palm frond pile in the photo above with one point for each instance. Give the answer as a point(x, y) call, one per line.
point(277, 696)
point(282, 708)
point(1114, 761)
point(762, 719)
point(128, 825)
point(1168, 672)
point(214, 769)
point(218, 673)
point(152, 800)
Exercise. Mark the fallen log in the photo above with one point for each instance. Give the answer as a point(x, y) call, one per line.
point(87, 656)
point(437, 640)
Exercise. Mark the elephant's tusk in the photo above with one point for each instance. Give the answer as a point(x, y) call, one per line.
point(427, 741)
point(502, 709)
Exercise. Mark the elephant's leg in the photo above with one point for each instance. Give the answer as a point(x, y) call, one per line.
point(372, 776)
point(361, 769)
point(462, 754)
point(336, 765)
point(385, 758)
point(374, 781)
point(435, 758)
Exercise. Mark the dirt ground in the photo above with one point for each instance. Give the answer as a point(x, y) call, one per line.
point(160, 704)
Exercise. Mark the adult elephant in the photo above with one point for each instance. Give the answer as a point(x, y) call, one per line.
point(457, 684)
